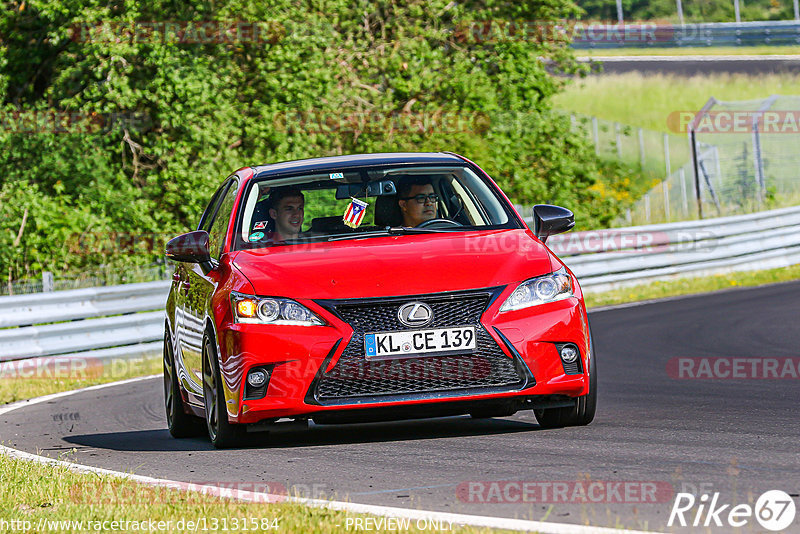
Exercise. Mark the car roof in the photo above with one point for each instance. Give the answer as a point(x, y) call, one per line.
point(356, 160)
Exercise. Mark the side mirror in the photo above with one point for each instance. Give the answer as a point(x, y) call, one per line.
point(190, 248)
point(550, 220)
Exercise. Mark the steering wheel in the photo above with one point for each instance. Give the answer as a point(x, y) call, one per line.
point(438, 222)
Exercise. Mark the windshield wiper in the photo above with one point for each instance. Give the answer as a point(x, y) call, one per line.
point(342, 237)
point(403, 230)
point(393, 230)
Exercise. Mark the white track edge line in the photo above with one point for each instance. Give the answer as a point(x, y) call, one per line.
point(250, 496)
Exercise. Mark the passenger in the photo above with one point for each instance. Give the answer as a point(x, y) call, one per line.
point(286, 213)
point(418, 203)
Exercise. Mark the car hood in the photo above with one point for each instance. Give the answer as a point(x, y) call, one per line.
point(395, 265)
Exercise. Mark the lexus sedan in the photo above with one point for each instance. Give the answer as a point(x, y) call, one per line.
point(371, 287)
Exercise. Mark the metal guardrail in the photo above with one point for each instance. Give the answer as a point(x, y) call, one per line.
point(785, 32)
point(608, 259)
point(102, 323)
point(67, 305)
point(117, 322)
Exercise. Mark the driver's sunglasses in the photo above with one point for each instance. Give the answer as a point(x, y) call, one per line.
point(433, 197)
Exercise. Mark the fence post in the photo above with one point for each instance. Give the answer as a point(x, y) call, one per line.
point(796, 10)
point(664, 186)
point(47, 281)
point(596, 136)
point(758, 160)
point(684, 195)
point(736, 10)
point(647, 207)
point(641, 148)
point(696, 171)
point(680, 11)
point(758, 163)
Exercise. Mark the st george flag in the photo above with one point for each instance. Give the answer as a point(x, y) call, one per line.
point(355, 213)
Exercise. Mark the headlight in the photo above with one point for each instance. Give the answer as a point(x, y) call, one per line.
point(549, 288)
point(267, 310)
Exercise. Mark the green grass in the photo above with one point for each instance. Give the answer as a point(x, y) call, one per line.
point(692, 51)
point(688, 286)
point(59, 494)
point(646, 101)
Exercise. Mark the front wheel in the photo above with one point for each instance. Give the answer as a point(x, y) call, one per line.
point(585, 406)
point(180, 424)
point(223, 434)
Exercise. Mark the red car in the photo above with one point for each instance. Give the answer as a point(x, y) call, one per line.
point(371, 287)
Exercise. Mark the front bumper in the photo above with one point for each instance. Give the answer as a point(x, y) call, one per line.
point(321, 369)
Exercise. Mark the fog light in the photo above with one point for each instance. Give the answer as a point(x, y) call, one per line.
point(569, 353)
point(257, 378)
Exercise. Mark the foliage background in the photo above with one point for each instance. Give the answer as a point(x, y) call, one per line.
point(190, 113)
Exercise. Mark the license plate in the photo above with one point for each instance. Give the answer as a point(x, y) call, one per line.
point(383, 345)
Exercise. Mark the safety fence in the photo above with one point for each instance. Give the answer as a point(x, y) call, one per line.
point(127, 321)
point(742, 158)
point(650, 155)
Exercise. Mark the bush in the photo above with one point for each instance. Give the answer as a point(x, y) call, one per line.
point(158, 123)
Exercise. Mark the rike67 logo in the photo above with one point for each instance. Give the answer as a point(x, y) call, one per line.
point(774, 510)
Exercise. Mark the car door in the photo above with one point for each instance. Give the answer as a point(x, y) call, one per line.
point(199, 286)
point(185, 330)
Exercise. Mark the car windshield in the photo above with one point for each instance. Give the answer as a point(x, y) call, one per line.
point(363, 203)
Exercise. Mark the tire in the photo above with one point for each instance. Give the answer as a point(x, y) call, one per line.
point(585, 406)
point(222, 433)
point(179, 423)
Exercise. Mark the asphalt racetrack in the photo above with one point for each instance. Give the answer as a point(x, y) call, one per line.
point(695, 65)
point(739, 437)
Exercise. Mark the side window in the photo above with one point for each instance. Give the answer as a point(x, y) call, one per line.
point(208, 215)
point(219, 227)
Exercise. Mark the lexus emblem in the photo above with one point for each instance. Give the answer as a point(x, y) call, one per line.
point(415, 314)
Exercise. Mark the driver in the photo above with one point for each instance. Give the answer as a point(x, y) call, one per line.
point(418, 203)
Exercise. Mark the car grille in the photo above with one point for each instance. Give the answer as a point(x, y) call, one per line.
point(353, 377)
